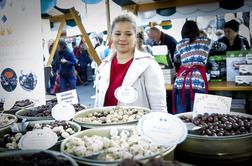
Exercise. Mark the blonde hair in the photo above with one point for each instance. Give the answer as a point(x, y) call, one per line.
point(124, 18)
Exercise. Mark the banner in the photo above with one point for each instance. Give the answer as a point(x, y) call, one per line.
point(21, 56)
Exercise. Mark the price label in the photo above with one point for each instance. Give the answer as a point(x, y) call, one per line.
point(162, 129)
point(63, 111)
point(126, 94)
point(68, 97)
point(205, 103)
point(160, 50)
point(40, 139)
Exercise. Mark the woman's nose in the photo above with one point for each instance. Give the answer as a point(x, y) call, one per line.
point(122, 37)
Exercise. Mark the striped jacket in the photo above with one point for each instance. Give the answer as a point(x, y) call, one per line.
point(190, 54)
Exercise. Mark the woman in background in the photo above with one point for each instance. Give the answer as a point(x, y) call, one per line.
point(192, 51)
point(232, 39)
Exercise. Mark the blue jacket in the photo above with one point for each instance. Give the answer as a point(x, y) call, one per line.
point(67, 68)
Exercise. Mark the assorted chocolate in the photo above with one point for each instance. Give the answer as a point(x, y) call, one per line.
point(62, 128)
point(6, 119)
point(45, 110)
point(38, 159)
point(221, 124)
point(18, 104)
point(111, 116)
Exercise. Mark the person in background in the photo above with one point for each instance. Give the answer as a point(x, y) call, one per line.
point(202, 33)
point(100, 48)
point(129, 67)
point(54, 80)
point(67, 67)
point(232, 39)
point(140, 43)
point(192, 51)
point(75, 49)
point(160, 38)
point(84, 61)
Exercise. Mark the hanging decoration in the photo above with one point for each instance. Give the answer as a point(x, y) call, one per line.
point(167, 11)
point(123, 2)
point(46, 5)
point(91, 1)
point(147, 14)
point(231, 5)
point(165, 24)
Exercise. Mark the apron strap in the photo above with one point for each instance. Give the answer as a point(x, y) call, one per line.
point(184, 71)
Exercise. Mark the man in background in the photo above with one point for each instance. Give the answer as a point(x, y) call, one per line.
point(160, 38)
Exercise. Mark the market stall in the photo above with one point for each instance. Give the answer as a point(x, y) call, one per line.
point(71, 134)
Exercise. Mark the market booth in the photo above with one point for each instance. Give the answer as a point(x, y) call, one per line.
point(101, 136)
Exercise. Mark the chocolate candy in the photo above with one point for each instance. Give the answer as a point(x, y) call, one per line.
point(221, 124)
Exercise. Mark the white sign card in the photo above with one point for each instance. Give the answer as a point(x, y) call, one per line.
point(162, 128)
point(160, 50)
point(126, 94)
point(206, 103)
point(21, 67)
point(68, 97)
point(63, 111)
point(40, 139)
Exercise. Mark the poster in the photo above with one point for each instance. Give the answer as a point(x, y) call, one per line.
point(21, 56)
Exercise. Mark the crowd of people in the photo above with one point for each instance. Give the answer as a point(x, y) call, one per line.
point(128, 61)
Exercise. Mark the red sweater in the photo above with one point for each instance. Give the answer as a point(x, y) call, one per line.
point(117, 74)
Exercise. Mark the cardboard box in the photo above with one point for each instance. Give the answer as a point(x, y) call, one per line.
point(169, 75)
point(245, 69)
point(217, 68)
point(243, 80)
point(239, 110)
point(249, 58)
point(233, 64)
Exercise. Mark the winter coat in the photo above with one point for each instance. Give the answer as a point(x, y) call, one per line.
point(144, 75)
point(67, 68)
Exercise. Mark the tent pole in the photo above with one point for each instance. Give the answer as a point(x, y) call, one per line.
point(85, 38)
point(108, 19)
point(55, 44)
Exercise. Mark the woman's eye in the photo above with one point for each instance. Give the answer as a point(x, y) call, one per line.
point(117, 34)
point(129, 34)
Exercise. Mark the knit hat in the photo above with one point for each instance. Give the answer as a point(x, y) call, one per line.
point(233, 24)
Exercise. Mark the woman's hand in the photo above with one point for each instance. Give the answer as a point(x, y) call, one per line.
point(63, 60)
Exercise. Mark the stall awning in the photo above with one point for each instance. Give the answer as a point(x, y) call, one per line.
point(156, 10)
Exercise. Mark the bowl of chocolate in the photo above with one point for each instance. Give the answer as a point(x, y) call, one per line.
point(17, 106)
point(9, 137)
point(7, 120)
point(223, 139)
point(36, 157)
point(43, 112)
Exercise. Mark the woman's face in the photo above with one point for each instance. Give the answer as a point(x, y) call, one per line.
point(124, 37)
point(230, 34)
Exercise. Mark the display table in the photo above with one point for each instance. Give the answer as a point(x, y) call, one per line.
point(220, 86)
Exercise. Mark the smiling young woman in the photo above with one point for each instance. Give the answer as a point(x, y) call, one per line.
point(129, 67)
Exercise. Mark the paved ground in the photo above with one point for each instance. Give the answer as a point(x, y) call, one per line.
point(85, 94)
